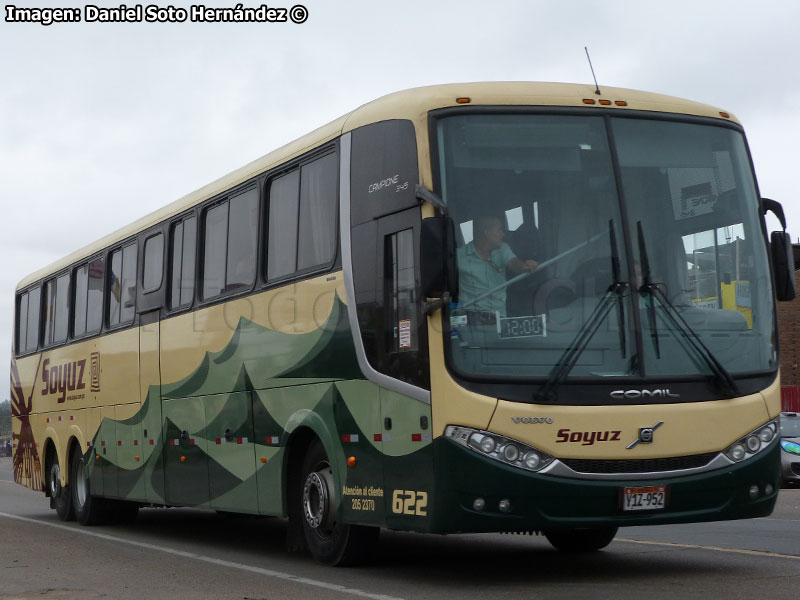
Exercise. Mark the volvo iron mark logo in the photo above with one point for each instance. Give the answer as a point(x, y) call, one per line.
point(643, 394)
point(645, 435)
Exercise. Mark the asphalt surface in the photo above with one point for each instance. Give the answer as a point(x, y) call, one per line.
point(191, 554)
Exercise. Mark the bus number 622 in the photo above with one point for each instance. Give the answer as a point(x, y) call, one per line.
point(410, 502)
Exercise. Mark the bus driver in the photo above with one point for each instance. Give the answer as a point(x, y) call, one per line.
point(482, 266)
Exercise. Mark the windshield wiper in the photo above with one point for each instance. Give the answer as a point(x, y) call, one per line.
point(724, 380)
point(580, 342)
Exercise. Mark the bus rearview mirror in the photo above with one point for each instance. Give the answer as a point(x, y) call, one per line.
point(438, 258)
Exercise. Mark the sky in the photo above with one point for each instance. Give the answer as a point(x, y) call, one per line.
point(102, 123)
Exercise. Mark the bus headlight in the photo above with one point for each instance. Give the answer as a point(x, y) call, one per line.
point(500, 448)
point(753, 443)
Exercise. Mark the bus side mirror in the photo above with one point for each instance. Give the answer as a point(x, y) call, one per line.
point(438, 258)
point(783, 264)
point(782, 254)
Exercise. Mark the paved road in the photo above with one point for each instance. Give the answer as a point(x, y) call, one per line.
point(191, 554)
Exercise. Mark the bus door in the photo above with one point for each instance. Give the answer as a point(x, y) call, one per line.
point(408, 463)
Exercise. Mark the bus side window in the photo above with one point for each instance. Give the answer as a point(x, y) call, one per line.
point(284, 193)
point(34, 310)
point(56, 310)
point(184, 240)
point(122, 288)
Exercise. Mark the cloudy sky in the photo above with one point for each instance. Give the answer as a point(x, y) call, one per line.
point(102, 123)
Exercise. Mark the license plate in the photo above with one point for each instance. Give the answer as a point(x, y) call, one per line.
point(651, 497)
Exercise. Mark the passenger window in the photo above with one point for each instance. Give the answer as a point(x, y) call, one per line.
point(231, 237)
point(152, 270)
point(282, 241)
point(22, 322)
point(56, 310)
point(242, 241)
point(94, 294)
point(214, 255)
point(184, 236)
point(88, 297)
point(79, 302)
point(122, 286)
point(317, 239)
point(32, 330)
point(302, 218)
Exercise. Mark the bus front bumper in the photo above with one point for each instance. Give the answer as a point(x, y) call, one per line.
point(536, 502)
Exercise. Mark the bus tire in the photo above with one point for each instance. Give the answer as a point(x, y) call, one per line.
point(331, 541)
point(60, 495)
point(89, 510)
point(589, 539)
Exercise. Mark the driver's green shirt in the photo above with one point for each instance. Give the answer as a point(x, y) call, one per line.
point(477, 276)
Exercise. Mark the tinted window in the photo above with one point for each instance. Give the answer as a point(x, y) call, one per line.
point(282, 241)
point(187, 269)
point(128, 309)
point(94, 296)
point(28, 321)
point(122, 292)
point(81, 289)
point(184, 235)
point(115, 287)
point(34, 305)
point(153, 262)
point(22, 322)
point(242, 240)
point(214, 257)
point(56, 310)
point(317, 240)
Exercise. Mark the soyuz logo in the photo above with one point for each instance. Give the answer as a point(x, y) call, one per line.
point(586, 438)
point(69, 377)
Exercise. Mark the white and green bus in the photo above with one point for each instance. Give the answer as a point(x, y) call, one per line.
point(333, 334)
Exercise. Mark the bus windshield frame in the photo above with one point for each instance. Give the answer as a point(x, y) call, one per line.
point(642, 219)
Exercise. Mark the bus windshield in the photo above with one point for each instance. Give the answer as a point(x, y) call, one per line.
point(596, 247)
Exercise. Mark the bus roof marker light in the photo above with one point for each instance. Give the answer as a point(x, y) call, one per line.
point(620, 103)
point(463, 100)
point(605, 102)
point(724, 114)
point(589, 101)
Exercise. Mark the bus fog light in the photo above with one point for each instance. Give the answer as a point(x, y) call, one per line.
point(737, 452)
point(766, 435)
point(753, 444)
point(488, 444)
point(479, 504)
point(768, 489)
point(532, 460)
point(754, 492)
point(504, 505)
point(510, 452)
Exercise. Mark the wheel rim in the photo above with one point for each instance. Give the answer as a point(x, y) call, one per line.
point(318, 501)
point(55, 481)
point(81, 488)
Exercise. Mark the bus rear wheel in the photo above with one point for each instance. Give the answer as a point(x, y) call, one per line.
point(331, 541)
point(589, 539)
point(60, 496)
point(89, 510)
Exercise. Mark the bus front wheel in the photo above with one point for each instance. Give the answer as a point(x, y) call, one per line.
point(330, 540)
point(589, 539)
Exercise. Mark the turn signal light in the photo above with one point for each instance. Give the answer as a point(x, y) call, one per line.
point(263, 459)
point(183, 459)
point(351, 461)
